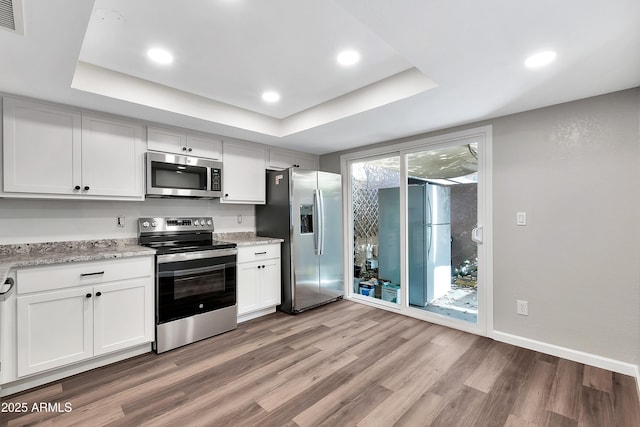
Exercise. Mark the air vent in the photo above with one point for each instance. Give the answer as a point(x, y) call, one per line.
point(11, 15)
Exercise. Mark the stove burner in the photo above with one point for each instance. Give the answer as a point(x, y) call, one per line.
point(177, 235)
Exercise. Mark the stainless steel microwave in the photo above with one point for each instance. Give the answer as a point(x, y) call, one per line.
point(171, 175)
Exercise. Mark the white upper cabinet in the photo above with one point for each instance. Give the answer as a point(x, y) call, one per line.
point(42, 147)
point(188, 144)
point(244, 179)
point(283, 159)
point(112, 153)
point(57, 152)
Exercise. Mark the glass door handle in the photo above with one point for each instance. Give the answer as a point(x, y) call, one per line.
point(476, 234)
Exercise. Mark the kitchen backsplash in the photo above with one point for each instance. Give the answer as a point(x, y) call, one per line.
point(29, 221)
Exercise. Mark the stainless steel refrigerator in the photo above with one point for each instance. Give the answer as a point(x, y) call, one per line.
point(304, 208)
point(429, 240)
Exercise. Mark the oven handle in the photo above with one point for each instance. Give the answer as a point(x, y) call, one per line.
point(192, 271)
point(188, 256)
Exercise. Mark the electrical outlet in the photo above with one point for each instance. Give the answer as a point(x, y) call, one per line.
point(120, 220)
point(522, 307)
point(239, 219)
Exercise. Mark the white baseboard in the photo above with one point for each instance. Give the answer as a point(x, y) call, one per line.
point(570, 354)
point(256, 314)
point(637, 375)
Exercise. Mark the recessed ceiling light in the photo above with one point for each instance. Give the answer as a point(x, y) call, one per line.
point(161, 56)
point(271, 96)
point(540, 59)
point(348, 57)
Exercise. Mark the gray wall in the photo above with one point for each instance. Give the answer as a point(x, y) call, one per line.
point(575, 169)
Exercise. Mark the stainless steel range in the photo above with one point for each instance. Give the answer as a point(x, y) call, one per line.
point(195, 280)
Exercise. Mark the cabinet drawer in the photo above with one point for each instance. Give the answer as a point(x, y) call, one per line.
point(67, 275)
point(258, 252)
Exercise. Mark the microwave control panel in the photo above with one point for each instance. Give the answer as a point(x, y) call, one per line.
point(216, 179)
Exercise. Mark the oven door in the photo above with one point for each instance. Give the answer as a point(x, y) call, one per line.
point(195, 282)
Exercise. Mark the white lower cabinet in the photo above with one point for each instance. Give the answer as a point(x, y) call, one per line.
point(63, 326)
point(258, 278)
point(122, 315)
point(54, 329)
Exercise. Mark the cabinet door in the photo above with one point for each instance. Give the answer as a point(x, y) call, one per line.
point(283, 159)
point(165, 140)
point(41, 148)
point(112, 157)
point(270, 287)
point(206, 147)
point(123, 315)
point(54, 329)
point(244, 173)
point(248, 290)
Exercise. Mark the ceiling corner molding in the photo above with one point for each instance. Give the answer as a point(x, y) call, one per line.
point(101, 81)
point(392, 89)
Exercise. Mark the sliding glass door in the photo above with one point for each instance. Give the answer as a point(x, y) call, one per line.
point(414, 217)
point(442, 213)
point(375, 203)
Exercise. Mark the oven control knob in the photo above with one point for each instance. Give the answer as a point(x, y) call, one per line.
point(145, 224)
point(209, 222)
point(202, 222)
point(154, 224)
point(201, 306)
point(196, 222)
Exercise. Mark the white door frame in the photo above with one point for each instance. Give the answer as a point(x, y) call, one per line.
point(482, 135)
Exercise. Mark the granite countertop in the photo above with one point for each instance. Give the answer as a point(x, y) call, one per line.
point(34, 254)
point(246, 239)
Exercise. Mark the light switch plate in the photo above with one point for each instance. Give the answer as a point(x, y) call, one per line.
point(521, 218)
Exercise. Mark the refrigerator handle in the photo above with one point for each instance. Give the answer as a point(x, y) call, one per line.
point(429, 223)
point(321, 223)
point(316, 222)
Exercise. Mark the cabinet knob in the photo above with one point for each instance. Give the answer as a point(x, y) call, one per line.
point(184, 148)
point(88, 295)
point(263, 266)
point(98, 294)
point(86, 188)
point(190, 149)
point(77, 187)
point(226, 195)
point(259, 266)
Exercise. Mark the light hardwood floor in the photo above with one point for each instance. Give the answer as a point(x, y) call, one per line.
point(340, 365)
